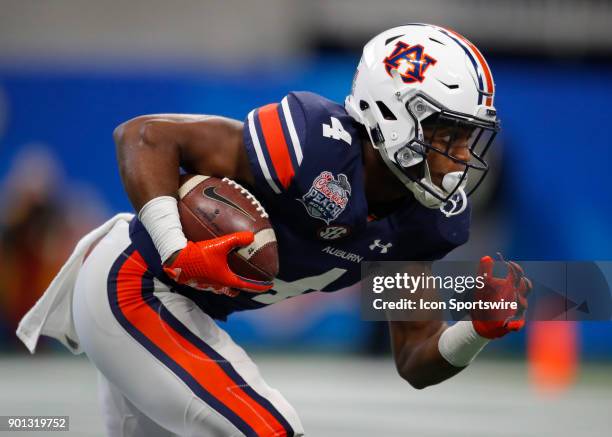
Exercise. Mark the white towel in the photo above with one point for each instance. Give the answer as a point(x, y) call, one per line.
point(52, 314)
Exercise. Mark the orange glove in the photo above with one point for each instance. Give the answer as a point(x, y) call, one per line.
point(513, 288)
point(203, 265)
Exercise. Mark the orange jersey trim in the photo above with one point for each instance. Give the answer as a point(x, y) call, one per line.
point(276, 143)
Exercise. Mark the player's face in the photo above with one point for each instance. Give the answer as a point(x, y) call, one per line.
point(454, 141)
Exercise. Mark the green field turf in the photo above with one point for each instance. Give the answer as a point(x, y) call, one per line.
point(350, 396)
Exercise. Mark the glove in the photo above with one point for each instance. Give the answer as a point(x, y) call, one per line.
point(203, 265)
point(513, 288)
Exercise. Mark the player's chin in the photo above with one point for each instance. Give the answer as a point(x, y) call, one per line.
point(436, 178)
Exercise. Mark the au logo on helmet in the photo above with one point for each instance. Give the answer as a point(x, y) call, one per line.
point(415, 62)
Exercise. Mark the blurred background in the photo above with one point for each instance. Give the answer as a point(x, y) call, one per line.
point(72, 70)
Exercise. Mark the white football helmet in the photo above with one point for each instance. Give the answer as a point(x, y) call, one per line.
point(419, 72)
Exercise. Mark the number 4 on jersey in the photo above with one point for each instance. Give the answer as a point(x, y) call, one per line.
point(336, 131)
point(286, 290)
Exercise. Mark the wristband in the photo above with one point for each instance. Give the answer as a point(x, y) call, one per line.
point(160, 218)
point(459, 344)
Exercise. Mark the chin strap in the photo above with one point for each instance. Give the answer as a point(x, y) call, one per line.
point(458, 203)
point(455, 205)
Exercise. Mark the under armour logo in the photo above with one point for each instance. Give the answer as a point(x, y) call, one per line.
point(384, 248)
point(336, 131)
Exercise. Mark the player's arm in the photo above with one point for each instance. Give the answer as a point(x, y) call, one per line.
point(150, 151)
point(415, 344)
point(417, 357)
point(151, 148)
point(430, 352)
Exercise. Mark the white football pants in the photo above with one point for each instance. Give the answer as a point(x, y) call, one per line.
point(166, 367)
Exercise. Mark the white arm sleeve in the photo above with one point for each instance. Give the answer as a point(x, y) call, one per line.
point(160, 218)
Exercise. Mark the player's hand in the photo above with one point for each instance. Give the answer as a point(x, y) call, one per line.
point(204, 265)
point(513, 288)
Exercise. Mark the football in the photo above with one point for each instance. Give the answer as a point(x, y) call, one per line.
point(210, 207)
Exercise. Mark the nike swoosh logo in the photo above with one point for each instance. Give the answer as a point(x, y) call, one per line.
point(450, 87)
point(211, 193)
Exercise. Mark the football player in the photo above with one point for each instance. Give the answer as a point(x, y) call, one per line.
point(382, 177)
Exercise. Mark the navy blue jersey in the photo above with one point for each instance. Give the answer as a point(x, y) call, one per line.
point(306, 158)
